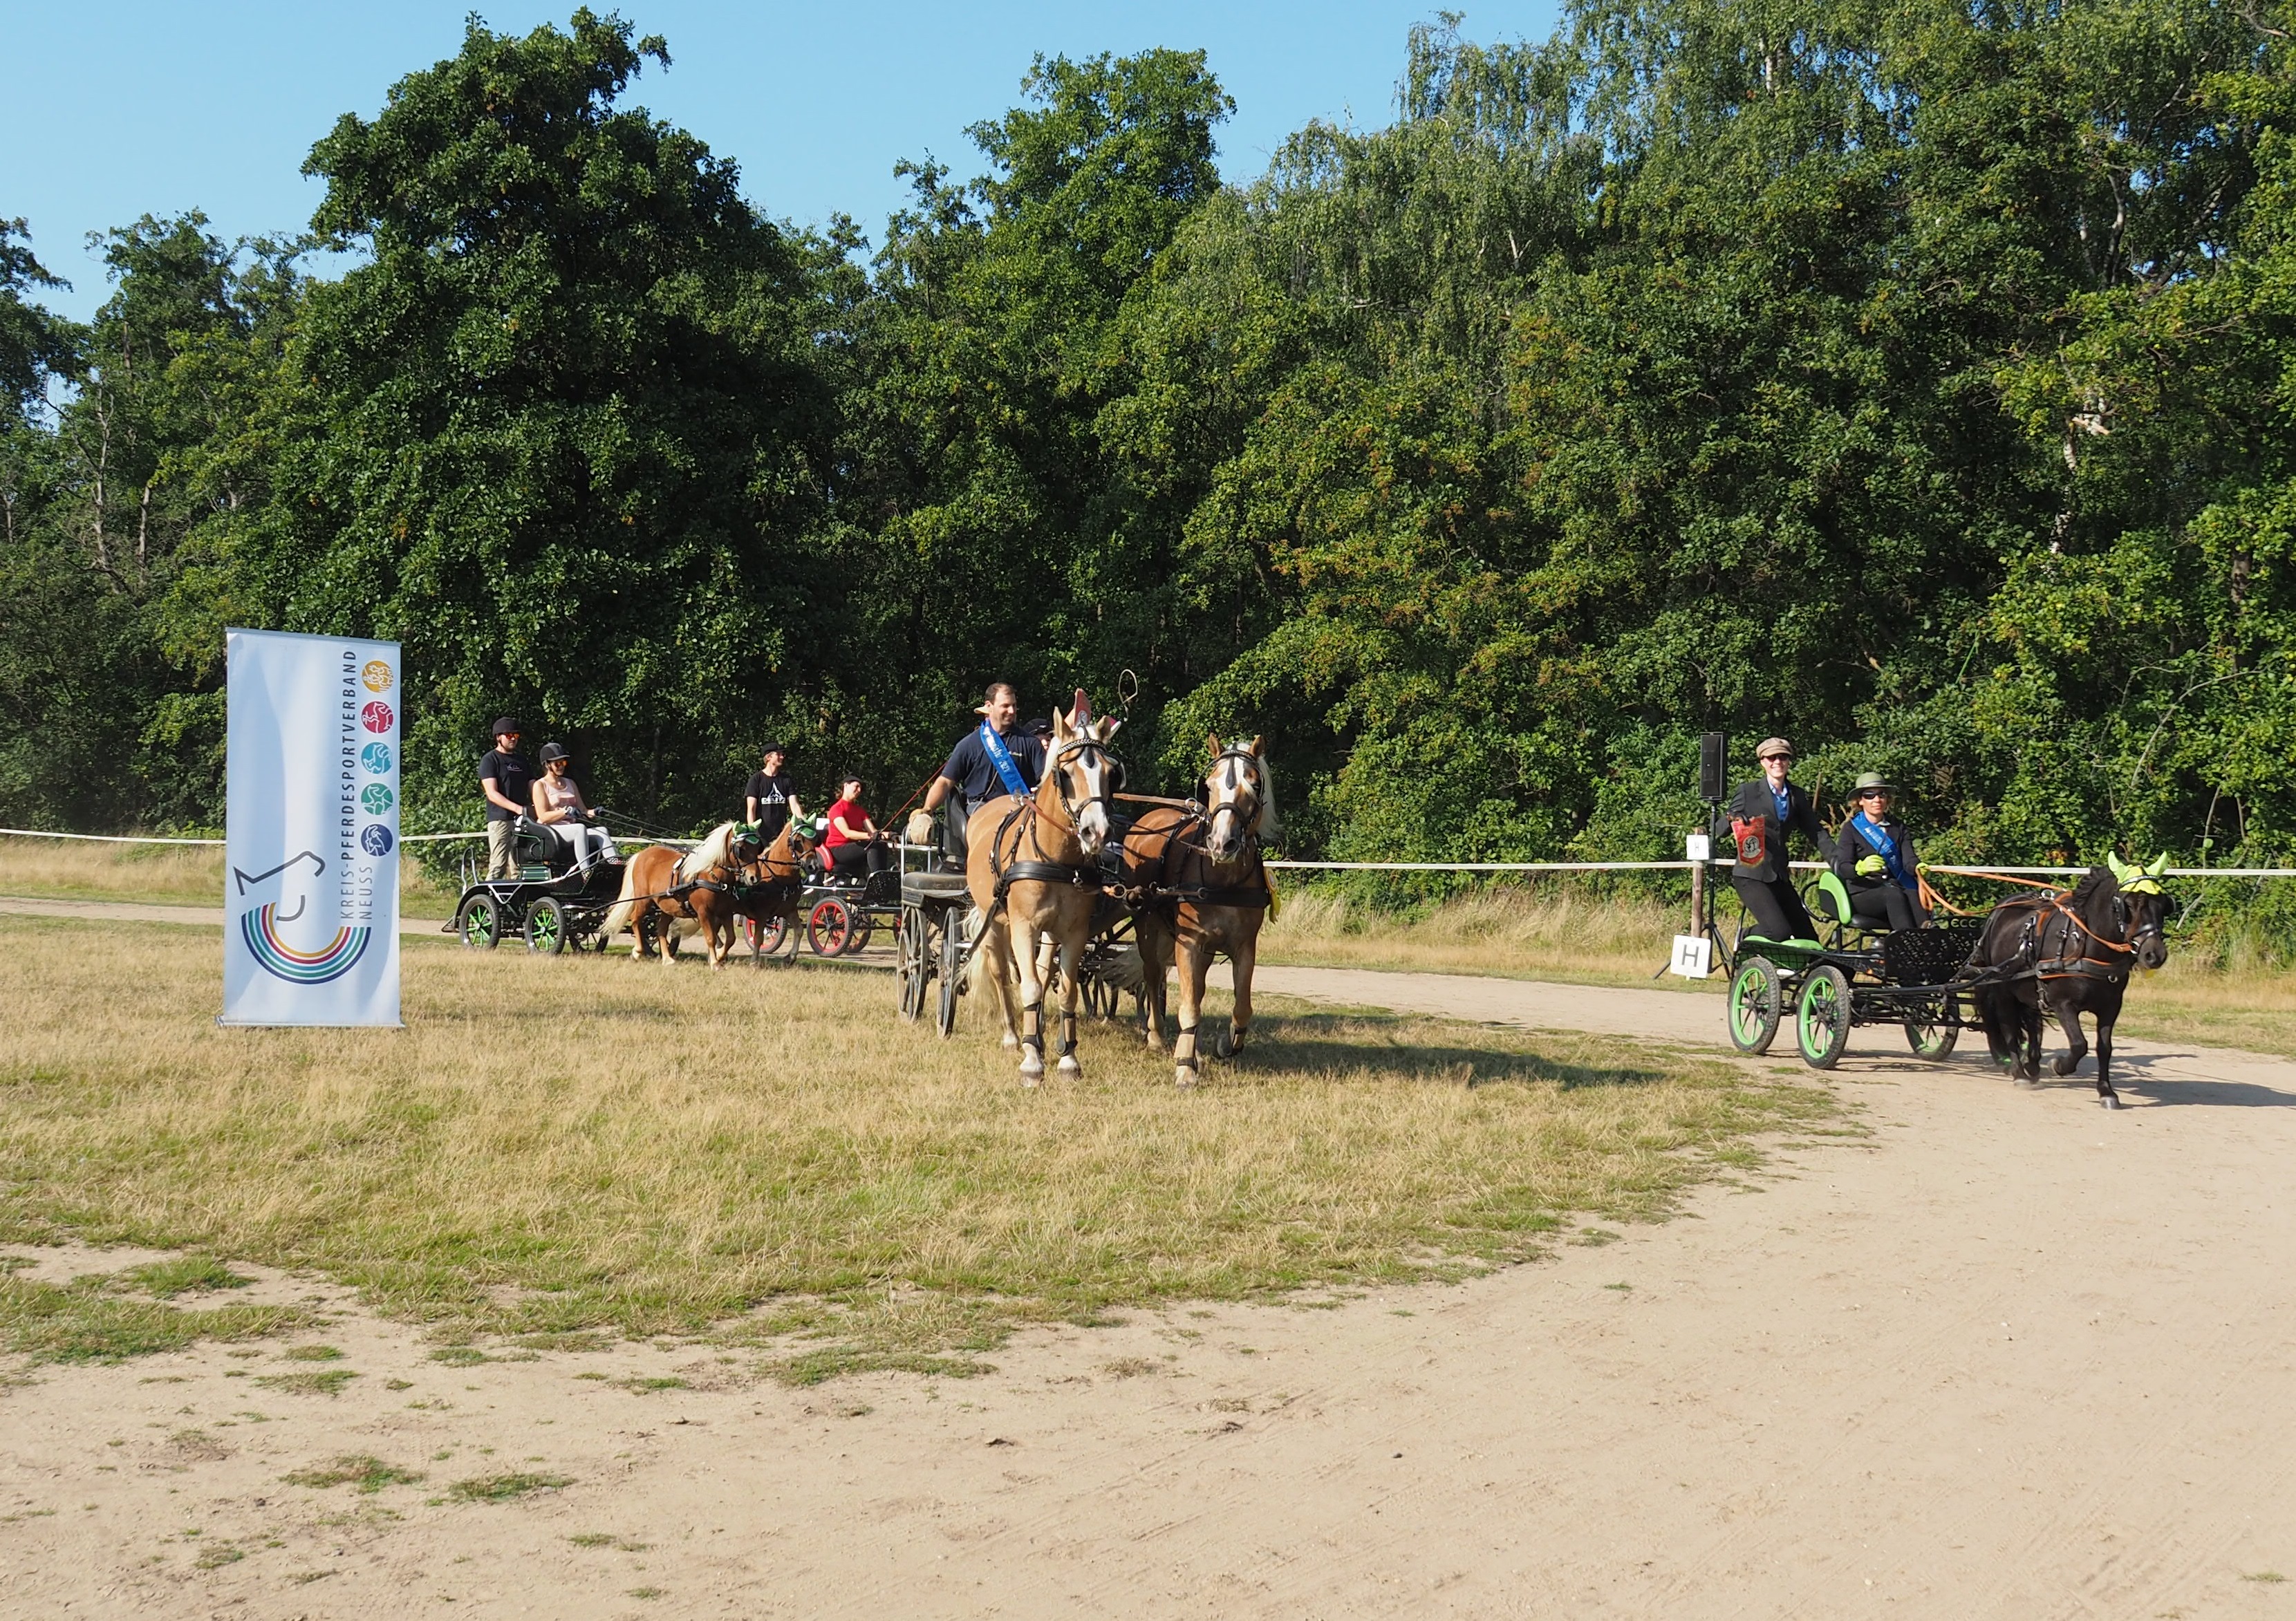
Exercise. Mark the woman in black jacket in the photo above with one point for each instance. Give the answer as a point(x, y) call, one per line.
point(1761, 813)
point(1874, 859)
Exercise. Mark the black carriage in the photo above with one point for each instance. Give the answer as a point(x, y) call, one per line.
point(938, 927)
point(550, 901)
point(1916, 979)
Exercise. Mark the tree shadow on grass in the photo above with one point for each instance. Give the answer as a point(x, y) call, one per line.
point(1337, 1043)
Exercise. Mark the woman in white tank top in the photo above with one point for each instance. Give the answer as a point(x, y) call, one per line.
point(558, 805)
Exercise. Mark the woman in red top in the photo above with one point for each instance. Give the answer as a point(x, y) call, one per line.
point(850, 831)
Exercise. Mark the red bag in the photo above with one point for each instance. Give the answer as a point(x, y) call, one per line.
point(1751, 834)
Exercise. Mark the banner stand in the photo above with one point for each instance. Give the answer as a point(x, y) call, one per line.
point(311, 831)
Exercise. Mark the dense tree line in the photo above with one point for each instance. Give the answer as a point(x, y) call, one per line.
point(1913, 378)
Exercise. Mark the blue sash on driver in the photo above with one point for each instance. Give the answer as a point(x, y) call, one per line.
point(1001, 757)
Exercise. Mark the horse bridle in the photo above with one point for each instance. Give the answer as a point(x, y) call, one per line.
point(1056, 766)
point(1252, 782)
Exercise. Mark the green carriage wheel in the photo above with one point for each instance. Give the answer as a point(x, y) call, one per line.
point(1823, 1014)
point(480, 923)
point(545, 926)
point(1755, 1000)
point(1933, 1038)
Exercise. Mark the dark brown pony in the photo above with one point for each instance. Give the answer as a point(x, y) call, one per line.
point(2065, 955)
point(1033, 865)
point(1203, 891)
point(661, 889)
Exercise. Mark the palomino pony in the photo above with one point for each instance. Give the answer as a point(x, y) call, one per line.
point(1203, 890)
point(2069, 954)
point(661, 888)
point(1033, 865)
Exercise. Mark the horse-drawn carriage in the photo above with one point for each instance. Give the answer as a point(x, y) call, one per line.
point(551, 901)
point(2062, 953)
point(937, 928)
point(1912, 977)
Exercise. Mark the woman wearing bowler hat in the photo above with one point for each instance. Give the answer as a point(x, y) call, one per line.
point(1761, 813)
point(1874, 859)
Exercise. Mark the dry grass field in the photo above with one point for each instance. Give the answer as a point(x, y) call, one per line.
point(561, 1145)
point(187, 875)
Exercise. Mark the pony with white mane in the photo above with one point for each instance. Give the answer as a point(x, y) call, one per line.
point(705, 887)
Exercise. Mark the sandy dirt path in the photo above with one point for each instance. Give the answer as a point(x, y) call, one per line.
point(2006, 1356)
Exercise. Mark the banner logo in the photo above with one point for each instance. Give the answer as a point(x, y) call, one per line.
point(377, 676)
point(374, 799)
point(260, 929)
point(377, 759)
point(375, 838)
point(376, 717)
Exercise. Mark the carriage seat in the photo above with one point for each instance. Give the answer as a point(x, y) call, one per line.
point(1829, 900)
point(539, 853)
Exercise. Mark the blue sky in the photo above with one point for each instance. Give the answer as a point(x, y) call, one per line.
point(115, 110)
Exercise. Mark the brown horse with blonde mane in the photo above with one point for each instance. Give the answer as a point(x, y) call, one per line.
point(1033, 865)
point(1203, 890)
point(708, 886)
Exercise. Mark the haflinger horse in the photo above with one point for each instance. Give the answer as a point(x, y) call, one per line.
point(2069, 954)
point(1202, 891)
point(706, 885)
point(1032, 863)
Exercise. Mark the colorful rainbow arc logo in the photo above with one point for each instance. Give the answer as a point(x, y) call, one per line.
point(261, 932)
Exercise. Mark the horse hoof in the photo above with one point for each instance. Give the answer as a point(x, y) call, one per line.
point(2026, 1080)
point(2109, 1102)
point(1010, 1041)
point(2066, 1064)
point(1184, 1077)
point(1068, 1066)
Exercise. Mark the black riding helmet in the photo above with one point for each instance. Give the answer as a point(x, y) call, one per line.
point(553, 751)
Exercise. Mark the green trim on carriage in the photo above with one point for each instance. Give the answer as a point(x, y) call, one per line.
point(1767, 943)
point(1837, 895)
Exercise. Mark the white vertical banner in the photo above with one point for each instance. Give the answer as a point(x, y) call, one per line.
point(311, 831)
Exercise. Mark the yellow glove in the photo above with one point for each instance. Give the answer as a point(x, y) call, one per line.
point(1873, 866)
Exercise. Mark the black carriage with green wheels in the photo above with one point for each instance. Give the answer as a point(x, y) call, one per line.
point(1916, 978)
point(550, 903)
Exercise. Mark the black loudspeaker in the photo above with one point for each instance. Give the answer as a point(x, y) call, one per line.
point(1711, 748)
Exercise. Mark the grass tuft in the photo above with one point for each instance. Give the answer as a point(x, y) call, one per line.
point(502, 1489)
point(313, 1354)
point(370, 1475)
point(329, 1381)
point(86, 1321)
point(180, 1275)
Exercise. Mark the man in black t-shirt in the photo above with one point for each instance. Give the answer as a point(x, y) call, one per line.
point(971, 772)
point(768, 801)
point(509, 788)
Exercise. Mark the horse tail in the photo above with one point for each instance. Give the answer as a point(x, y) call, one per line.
point(619, 918)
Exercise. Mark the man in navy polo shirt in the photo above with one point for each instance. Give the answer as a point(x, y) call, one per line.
point(996, 759)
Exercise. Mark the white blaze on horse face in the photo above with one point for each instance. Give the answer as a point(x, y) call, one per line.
point(1233, 811)
point(1089, 772)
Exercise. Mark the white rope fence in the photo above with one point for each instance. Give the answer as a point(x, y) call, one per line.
point(1348, 866)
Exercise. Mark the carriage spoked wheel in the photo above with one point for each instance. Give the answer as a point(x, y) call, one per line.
point(1823, 1014)
point(829, 927)
point(1933, 1038)
point(952, 967)
point(545, 926)
point(916, 964)
point(1756, 1000)
point(764, 938)
point(480, 923)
